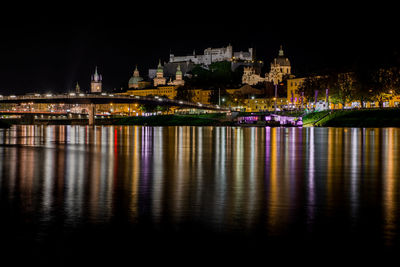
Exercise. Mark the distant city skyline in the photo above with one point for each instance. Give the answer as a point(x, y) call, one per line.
point(54, 52)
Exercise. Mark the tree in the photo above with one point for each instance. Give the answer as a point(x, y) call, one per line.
point(216, 75)
point(148, 107)
point(362, 85)
point(312, 84)
point(386, 82)
point(343, 88)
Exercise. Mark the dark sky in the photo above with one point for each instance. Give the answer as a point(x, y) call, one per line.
point(44, 50)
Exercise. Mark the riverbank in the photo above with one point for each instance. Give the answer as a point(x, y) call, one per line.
point(215, 119)
point(389, 117)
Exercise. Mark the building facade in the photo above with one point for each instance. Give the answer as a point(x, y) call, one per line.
point(167, 91)
point(264, 104)
point(178, 78)
point(280, 68)
point(293, 95)
point(211, 55)
point(250, 76)
point(159, 79)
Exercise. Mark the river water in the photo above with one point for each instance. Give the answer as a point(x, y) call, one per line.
point(106, 193)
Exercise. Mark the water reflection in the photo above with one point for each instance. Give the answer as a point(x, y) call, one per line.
point(272, 181)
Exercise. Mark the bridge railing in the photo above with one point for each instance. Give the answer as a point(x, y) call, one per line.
point(108, 96)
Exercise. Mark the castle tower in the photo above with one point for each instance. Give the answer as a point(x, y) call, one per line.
point(229, 51)
point(96, 82)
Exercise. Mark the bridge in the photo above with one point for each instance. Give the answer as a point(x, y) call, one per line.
point(91, 100)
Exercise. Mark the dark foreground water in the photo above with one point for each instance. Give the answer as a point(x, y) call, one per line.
point(73, 194)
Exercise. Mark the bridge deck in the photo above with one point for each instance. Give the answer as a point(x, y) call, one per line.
point(105, 99)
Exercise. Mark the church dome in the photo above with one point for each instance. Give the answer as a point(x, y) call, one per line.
point(281, 60)
point(135, 80)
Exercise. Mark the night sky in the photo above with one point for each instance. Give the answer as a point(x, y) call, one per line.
point(46, 51)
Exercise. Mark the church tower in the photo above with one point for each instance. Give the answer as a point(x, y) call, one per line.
point(159, 79)
point(77, 88)
point(178, 78)
point(96, 82)
point(178, 74)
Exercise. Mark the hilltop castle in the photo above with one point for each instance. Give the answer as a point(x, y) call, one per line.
point(214, 55)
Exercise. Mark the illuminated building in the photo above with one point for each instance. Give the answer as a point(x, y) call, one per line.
point(135, 79)
point(251, 77)
point(280, 67)
point(201, 96)
point(293, 96)
point(77, 88)
point(168, 91)
point(178, 78)
point(263, 104)
point(214, 55)
point(96, 83)
point(159, 79)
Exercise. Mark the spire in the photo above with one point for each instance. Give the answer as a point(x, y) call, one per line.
point(96, 76)
point(136, 72)
point(160, 68)
point(281, 52)
point(77, 88)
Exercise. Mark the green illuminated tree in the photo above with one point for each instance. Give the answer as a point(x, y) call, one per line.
point(343, 89)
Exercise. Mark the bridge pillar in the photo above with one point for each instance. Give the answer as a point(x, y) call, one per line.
point(92, 113)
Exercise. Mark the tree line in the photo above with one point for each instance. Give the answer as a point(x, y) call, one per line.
point(379, 85)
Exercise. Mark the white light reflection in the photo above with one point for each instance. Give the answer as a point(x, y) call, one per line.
point(354, 171)
point(311, 178)
point(158, 174)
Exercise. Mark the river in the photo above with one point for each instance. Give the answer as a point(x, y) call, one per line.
point(76, 191)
